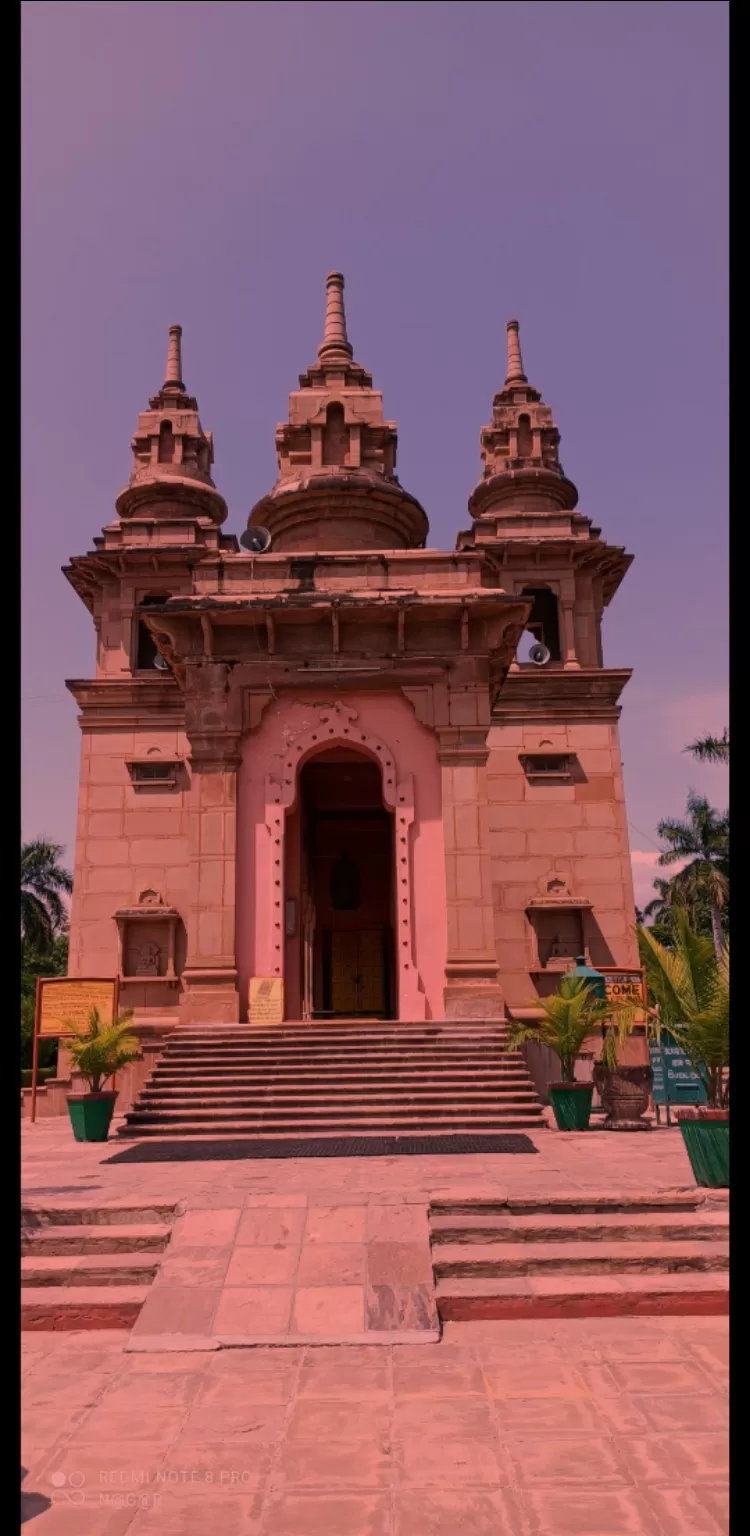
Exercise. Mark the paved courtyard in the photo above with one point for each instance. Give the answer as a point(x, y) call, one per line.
point(604, 1427)
point(593, 1428)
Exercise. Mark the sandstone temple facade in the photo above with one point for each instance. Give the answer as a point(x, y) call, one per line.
point(331, 762)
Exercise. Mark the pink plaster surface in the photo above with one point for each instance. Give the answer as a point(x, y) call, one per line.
point(500, 1430)
point(389, 718)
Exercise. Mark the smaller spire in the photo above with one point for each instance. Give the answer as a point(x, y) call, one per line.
point(515, 360)
point(335, 338)
point(173, 376)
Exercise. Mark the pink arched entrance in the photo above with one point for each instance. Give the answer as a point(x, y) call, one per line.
point(305, 940)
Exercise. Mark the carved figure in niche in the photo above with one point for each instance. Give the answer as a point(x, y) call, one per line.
point(150, 898)
point(148, 960)
point(346, 885)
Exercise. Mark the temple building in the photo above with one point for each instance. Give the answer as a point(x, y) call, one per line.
point(385, 775)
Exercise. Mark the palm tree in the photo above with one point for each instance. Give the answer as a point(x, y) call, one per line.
point(688, 990)
point(703, 838)
point(43, 884)
point(711, 749)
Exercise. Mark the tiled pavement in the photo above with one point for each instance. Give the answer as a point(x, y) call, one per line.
point(597, 1427)
point(292, 1268)
point(603, 1427)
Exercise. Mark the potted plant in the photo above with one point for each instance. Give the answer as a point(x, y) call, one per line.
point(569, 1018)
point(689, 1000)
point(97, 1053)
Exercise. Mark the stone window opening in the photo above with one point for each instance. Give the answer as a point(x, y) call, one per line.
point(542, 625)
point(335, 435)
point(147, 654)
point(166, 443)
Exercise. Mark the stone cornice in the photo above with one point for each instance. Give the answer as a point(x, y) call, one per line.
point(128, 702)
point(586, 693)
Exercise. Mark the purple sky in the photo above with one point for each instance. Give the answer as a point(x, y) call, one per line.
point(461, 163)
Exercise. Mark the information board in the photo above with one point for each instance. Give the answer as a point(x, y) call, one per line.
point(675, 1080)
point(63, 1001)
point(266, 1000)
point(623, 985)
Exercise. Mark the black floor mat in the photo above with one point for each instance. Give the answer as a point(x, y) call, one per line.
point(230, 1149)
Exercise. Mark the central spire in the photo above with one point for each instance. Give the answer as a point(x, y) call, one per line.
point(335, 338)
point(515, 371)
point(173, 379)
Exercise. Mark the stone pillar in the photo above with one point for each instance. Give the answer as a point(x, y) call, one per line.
point(210, 976)
point(568, 625)
point(472, 986)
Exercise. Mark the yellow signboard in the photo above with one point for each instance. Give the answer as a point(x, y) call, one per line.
point(266, 1000)
point(64, 1001)
point(623, 985)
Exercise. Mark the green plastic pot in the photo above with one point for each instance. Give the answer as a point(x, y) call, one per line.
point(705, 1133)
point(91, 1115)
point(571, 1105)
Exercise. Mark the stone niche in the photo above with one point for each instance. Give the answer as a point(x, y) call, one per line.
point(149, 935)
point(558, 927)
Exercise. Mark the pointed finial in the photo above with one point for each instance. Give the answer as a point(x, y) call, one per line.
point(334, 336)
point(173, 376)
point(515, 361)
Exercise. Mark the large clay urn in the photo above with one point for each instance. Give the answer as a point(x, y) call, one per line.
point(624, 1094)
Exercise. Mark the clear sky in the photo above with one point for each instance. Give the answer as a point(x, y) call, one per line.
point(462, 163)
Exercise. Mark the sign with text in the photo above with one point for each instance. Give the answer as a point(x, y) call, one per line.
point(675, 1079)
point(623, 985)
point(266, 1000)
point(63, 1001)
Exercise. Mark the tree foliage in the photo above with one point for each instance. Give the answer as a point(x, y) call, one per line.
point(688, 991)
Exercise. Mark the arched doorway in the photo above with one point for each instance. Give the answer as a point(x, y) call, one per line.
point(344, 864)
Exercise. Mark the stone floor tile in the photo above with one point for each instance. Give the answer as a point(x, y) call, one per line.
point(444, 1512)
point(431, 1378)
point(398, 1264)
point(356, 1464)
point(564, 1459)
point(178, 1309)
point(253, 1309)
point(273, 1264)
point(542, 1378)
point(222, 1511)
point(329, 1309)
point(285, 1201)
point(262, 1226)
point(593, 1511)
point(682, 1511)
point(553, 1414)
point(234, 1376)
point(331, 1264)
point(364, 1381)
point(196, 1266)
point(432, 1461)
point(91, 1518)
point(401, 1308)
point(397, 1224)
point(462, 1418)
point(310, 1514)
point(660, 1377)
point(256, 1423)
point(205, 1229)
point(699, 1412)
point(336, 1224)
point(700, 1456)
point(322, 1421)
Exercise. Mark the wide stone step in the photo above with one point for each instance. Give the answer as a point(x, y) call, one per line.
point(58, 1240)
point(648, 1226)
point(314, 1096)
point(117, 1213)
point(64, 1308)
point(325, 1129)
point(582, 1258)
point(489, 1057)
point(355, 1112)
point(91, 1269)
point(576, 1204)
point(537, 1296)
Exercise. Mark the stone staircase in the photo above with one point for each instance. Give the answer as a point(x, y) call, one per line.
point(599, 1256)
point(336, 1080)
point(90, 1266)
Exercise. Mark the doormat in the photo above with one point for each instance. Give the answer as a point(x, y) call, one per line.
point(225, 1150)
